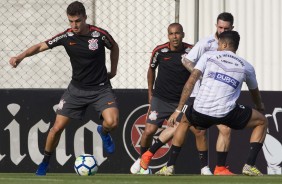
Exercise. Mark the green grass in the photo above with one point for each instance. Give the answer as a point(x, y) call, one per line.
point(58, 178)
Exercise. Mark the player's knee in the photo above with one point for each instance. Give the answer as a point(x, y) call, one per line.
point(111, 122)
point(224, 130)
point(264, 122)
point(149, 131)
point(200, 133)
point(56, 130)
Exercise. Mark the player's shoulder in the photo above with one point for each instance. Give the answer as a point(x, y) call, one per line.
point(162, 48)
point(208, 40)
point(96, 31)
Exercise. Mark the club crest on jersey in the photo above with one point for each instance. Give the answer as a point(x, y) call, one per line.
point(93, 44)
point(95, 34)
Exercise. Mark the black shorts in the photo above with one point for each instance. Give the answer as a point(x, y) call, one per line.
point(236, 119)
point(159, 110)
point(74, 102)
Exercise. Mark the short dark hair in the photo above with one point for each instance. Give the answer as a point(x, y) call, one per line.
point(76, 8)
point(231, 37)
point(226, 16)
point(176, 24)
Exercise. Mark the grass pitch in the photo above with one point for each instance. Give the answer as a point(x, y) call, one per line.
point(59, 178)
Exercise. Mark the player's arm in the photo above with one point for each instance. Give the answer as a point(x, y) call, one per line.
point(151, 75)
point(188, 88)
point(14, 61)
point(256, 97)
point(186, 92)
point(114, 60)
point(189, 65)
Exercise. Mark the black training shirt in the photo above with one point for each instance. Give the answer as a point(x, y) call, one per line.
point(172, 75)
point(87, 55)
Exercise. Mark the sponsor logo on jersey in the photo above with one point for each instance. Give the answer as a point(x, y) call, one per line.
point(133, 129)
point(167, 58)
point(57, 39)
point(93, 44)
point(72, 43)
point(70, 33)
point(95, 34)
point(226, 79)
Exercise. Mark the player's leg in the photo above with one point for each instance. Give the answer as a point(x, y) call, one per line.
point(222, 148)
point(52, 142)
point(164, 137)
point(104, 101)
point(158, 112)
point(111, 118)
point(259, 124)
point(202, 147)
point(177, 142)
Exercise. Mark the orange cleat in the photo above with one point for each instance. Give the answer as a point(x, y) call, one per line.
point(222, 170)
point(146, 159)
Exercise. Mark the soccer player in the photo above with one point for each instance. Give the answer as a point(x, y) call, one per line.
point(223, 73)
point(90, 85)
point(224, 23)
point(163, 100)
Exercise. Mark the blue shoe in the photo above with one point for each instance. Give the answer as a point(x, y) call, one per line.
point(42, 169)
point(108, 143)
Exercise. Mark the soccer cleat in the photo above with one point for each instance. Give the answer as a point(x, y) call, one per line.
point(206, 171)
point(108, 143)
point(222, 170)
point(135, 168)
point(146, 159)
point(143, 171)
point(166, 171)
point(251, 171)
point(42, 169)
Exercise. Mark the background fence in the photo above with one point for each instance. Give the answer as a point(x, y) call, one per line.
point(137, 26)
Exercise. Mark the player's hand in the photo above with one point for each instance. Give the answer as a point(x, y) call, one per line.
point(111, 75)
point(14, 61)
point(260, 108)
point(172, 119)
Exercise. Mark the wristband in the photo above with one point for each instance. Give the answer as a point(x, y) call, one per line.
point(176, 110)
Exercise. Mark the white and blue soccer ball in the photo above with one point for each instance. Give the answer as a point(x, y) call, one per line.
point(86, 165)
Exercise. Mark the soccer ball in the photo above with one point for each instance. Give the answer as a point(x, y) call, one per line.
point(86, 165)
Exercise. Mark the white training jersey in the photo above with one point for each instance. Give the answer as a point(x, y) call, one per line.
point(209, 43)
point(223, 75)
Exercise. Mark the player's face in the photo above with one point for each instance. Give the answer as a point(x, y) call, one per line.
point(175, 36)
point(77, 23)
point(222, 26)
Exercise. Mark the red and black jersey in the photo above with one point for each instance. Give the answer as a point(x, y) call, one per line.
point(87, 55)
point(172, 75)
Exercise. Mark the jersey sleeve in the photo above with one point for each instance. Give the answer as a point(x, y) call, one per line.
point(108, 40)
point(251, 80)
point(56, 40)
point(196, 52)
point(201, 64)
point(154, 59)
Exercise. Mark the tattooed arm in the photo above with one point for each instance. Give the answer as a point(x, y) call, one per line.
point(188, 88)
point(186, 92)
